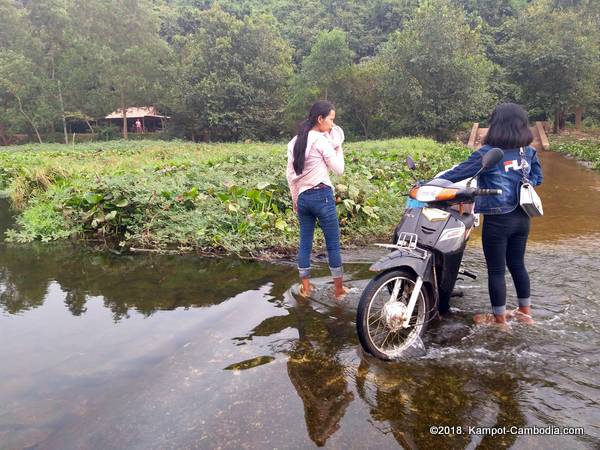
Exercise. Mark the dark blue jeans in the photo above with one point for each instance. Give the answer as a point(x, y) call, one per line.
point(504, 238)
point(312, 205)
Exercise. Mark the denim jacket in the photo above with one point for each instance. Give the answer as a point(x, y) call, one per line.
point(505, 175)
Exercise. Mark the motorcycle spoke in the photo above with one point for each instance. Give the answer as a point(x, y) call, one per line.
point(377, 332)
point(383, 337)
point(377, 316)
point(386, 338)
point(379, 328)
point(395, 338)
point(378, 338)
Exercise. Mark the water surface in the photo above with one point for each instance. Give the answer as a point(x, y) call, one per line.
point(179, 352)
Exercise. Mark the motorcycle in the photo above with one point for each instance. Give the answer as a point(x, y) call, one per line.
point(415, 281)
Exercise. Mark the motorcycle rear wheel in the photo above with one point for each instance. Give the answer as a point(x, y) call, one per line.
point(380, 336)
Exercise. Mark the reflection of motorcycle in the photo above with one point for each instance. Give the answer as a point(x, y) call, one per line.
point(416, 279)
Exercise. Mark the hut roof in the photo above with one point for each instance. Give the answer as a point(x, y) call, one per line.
point(136, 112)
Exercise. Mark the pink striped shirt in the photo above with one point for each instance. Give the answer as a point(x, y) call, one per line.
point(323, 153)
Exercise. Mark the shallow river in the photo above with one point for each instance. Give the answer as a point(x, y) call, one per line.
point(177, 352)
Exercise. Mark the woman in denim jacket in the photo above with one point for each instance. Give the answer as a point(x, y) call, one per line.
point(316, 150)
point(505, 226)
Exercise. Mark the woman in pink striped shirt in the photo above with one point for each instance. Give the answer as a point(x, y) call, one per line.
point(315, 151)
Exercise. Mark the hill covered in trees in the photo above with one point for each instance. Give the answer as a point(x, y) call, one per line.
point(248, 69)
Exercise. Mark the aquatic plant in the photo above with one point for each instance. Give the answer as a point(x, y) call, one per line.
point(586, 150)
point(229, 198)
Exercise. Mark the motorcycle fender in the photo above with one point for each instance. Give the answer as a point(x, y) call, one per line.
point(399, 258)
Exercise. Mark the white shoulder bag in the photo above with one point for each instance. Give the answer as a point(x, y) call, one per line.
point(529, 199)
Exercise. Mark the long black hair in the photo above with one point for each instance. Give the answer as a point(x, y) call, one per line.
point(322, 108)
point(509, 127)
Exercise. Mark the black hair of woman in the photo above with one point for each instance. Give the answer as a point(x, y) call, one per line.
point(509, 127)
point(321, 108)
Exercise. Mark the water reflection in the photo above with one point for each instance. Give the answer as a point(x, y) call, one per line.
point(406, 400)
point(145, 284)
point(313, 364)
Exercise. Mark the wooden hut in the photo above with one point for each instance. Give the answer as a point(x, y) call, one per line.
point(148, 117)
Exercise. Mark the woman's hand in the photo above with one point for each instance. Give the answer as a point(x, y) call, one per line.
point(336, 135)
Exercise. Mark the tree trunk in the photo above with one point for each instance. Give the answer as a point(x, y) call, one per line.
point(60, 99)
point(62, 111)
point(124, 109)
point(3, 136)
point(578, 115)
point(556, 125)
point(28, 118)
point(364, 126)
point(87, 122)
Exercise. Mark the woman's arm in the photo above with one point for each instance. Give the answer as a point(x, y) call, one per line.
point(289, 174)
point(336, 135)
point(334, 157)
point(536, 176)
point(465, 169)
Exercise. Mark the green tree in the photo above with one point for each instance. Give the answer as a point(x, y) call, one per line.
point(554, 57)
point(122, 40)
point(493, 12)
point(232, 78)
point(300, 23)
point(323, 70)
point(13, 25)
point(51, 22)
point(328, 62)
point(435, 74)
point(359, 100)
point(21, 90)
point(383, 18)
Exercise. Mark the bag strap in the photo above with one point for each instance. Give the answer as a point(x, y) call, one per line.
point(523, 161)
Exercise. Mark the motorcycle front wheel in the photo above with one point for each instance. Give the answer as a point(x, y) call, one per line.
point(382, 312)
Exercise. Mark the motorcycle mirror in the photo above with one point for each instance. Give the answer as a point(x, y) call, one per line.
point(410, 163)
point(488, 160)
point(492, 158)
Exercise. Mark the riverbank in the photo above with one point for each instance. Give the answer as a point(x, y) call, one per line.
point(208, 198)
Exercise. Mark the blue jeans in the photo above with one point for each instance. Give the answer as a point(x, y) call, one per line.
point(312, 205)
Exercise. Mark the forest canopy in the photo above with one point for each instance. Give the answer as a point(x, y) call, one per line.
point(248, 69)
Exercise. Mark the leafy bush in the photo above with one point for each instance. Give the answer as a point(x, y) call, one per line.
point(226, 198)
point(108, 132)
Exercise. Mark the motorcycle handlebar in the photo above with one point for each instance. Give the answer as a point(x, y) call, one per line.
point(488, 192)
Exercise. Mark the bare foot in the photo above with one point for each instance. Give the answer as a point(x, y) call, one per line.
point(443, 316)
point(522, 317)
point(484, 319)
point(490, 319)
point(306, 289)
point(341, 293)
